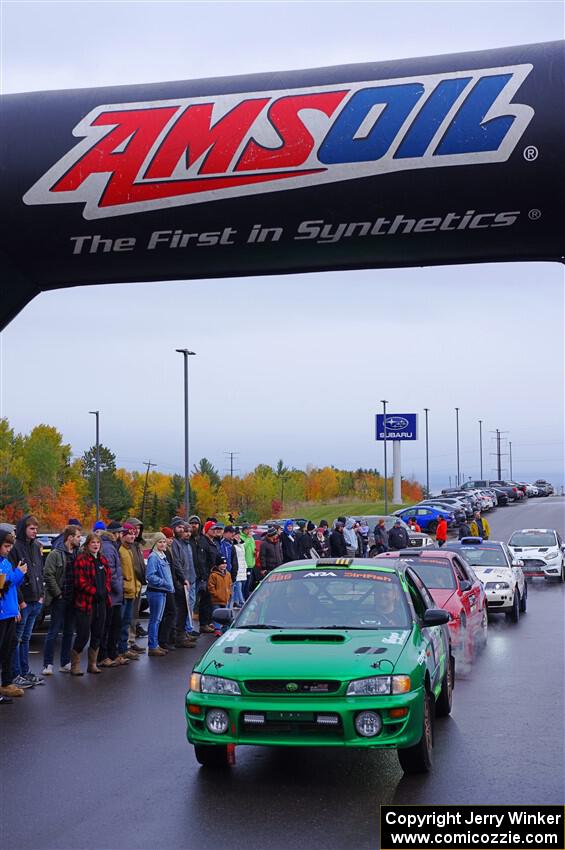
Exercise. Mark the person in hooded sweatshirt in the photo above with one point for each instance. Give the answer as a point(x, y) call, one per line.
point(110, 541)
point(58, 577)
point(10, 579)
point(220, 588)
point(31, 593)
point(288, 543)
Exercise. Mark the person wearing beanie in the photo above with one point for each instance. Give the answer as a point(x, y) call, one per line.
point(58, 575)
point(199, 559)
point(27, 549)
point(110, 542)
point(303, 540)
point(136, 630)
point(10, 579)
point(167, 627)
point(219, 588)
point(210, 545)
point(99, 526)
point(132, 586)
point(288, 543)
point(183, 562)
point(338, 546)
point(92, 581)
point(159, 585)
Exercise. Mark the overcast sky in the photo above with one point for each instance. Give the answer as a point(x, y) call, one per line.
point(294, 366)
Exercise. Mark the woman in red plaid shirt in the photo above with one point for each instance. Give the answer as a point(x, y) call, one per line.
point(91, 601)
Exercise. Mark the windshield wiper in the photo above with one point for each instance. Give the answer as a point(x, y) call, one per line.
point(261, 626)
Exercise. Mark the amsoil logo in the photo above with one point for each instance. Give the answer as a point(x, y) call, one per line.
point(136, 157)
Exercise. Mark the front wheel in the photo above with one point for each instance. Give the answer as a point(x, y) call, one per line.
point(524, 600)
point(419, 758)
point(562, 574)
point(211, 755)
point(514, 614)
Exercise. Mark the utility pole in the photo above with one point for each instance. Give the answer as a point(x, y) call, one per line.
point(426, 411)
point(481, 446)
point(457, 429)
point(97, 414)
point(186, 354)
point(148, 464)
point(384, 403)
point(510, 450)
point(498, 458)
point(232, 468)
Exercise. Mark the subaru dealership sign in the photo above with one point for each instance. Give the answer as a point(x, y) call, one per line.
point(399, 426)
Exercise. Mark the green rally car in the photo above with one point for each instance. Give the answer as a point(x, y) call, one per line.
point(334, 653)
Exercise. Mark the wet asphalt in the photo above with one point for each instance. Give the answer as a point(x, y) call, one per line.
point(102, 762)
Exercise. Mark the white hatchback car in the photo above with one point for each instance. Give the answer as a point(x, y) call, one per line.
point(541, 550)
point(499, 572)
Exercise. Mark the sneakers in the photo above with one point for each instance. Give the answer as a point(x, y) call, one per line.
point(5, 700)
point(11, 691)
point(22, 682)
point(48, 670)
point(157, 652)
point(65, 668)
point(35, 680)
point(140, 631)
point(139, 649)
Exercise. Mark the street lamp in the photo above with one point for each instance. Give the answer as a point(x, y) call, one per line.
point(97, 414)
point(457, 428)
point(186, 354)
point(481, 446)
point(384, 403)
point(426, 411)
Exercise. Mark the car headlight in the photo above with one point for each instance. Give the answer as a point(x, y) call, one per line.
point(497, 585)
point(378, 685)
point(213, 685)
point(551, 556)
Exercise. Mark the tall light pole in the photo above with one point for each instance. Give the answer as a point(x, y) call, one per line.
point(510, 450)
point(97, 414)
point(384, 403)
point(481, 446)
point(457, 429)
point(186, 354)
point(426, 411)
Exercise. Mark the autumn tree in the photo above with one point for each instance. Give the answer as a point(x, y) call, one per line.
point(43, 459)
point(115, 496)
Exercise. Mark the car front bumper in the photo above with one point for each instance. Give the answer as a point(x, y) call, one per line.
point(293, 721)
point(499, 600)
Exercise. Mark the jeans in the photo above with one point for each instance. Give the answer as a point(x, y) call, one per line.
point(127, 613)
point(62, 617)
point(157, 601)
point(168, 623)
point(237, 595)
point(20, 660)
point(189, 625)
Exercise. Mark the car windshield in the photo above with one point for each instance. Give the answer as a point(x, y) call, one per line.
point(325, 599)
point(533, 538)
point(436, 574)
point(484, 556)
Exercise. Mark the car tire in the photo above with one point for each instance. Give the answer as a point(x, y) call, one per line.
point(419, 758)
point(212, 755)
point(445, 699)
point(524, 600)
point(562, 575)
point(514, 614)
point(481, 637)
point(432, 527)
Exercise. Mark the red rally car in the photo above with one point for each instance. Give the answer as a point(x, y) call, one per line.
point(455, 587)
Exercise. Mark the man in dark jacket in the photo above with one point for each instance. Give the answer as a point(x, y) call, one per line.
point(110, 548)
point(338, 546)
point(58, 576)
point(464, 529)
point(303, 539)
point(381, 537)
point(136, 630)
point(184, 566)
point(199, 560)
point(27, 549)
point(398, 537)
point(213, 532)
point(270, 555)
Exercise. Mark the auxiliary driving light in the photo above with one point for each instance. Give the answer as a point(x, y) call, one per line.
point(217, 721)
point(327, 719)
point(256, 719)
point(368, 724)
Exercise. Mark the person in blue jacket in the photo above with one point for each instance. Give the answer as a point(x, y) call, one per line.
point(10, 578)
point(159, 583)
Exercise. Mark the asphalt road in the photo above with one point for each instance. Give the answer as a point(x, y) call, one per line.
point(102, 762)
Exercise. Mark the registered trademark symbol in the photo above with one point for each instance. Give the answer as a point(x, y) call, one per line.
point(531, 153)
point(534, 214)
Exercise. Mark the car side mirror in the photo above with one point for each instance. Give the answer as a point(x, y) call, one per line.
point(222, 615)
point(436, 617)
point(517, 563)
point(465, 585)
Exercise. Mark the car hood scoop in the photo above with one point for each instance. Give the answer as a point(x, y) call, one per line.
point(308, 637)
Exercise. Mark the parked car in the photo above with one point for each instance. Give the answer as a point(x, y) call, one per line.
point(417, 538)
point(426, 517)
point(454, 587)
point(298, 665)
point(541, 551)
point(500, 573)
point(458, 511)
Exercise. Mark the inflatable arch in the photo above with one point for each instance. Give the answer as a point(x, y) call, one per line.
point(448, 159)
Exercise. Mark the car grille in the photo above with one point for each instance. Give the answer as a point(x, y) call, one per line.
point(280, 686)
point(416, 542)
point(533, 563)
point(292, 729)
